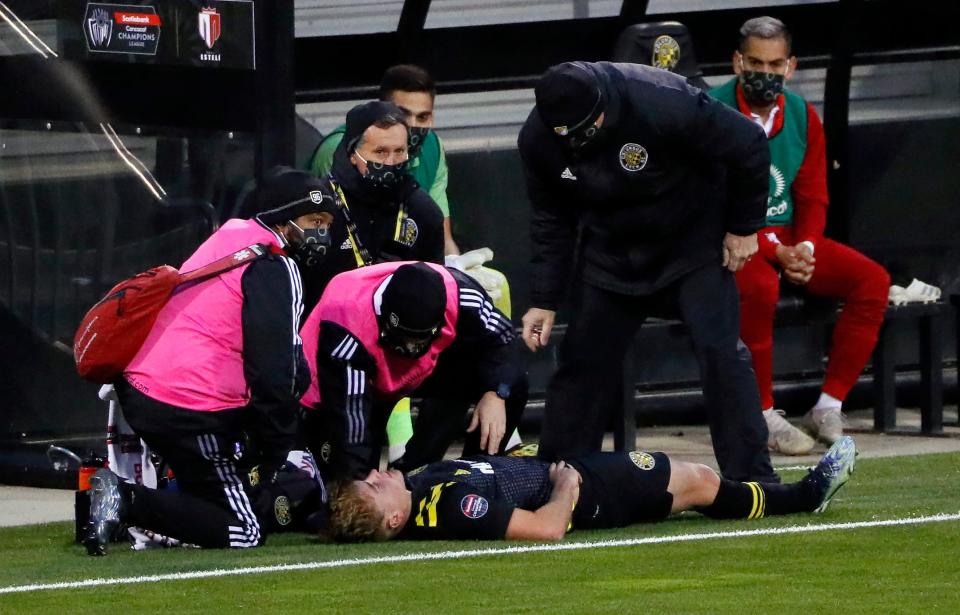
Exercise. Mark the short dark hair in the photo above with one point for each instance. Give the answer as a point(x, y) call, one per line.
point(766, 28)
point(406, 78)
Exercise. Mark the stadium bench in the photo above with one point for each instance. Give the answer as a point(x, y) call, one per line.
point(794, 309)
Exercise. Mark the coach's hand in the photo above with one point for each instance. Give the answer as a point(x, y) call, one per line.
point(537, 325)
point(737, 250)
point(491, 416)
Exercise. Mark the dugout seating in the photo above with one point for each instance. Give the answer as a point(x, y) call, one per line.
point(795, 309)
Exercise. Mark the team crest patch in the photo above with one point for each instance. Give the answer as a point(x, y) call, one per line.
point(633, 157)
point(281, 510)
point(644, 461)
point(325, 452)
point(409, 231)
point(474, 506)
point(666, 52)
point(316, 196)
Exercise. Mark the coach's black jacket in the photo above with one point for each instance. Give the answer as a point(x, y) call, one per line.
point(674, 172)
point(374, 211)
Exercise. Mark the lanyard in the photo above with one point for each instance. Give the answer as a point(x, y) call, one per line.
point(360, 252)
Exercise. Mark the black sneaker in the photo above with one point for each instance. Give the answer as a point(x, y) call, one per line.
point(105, 503)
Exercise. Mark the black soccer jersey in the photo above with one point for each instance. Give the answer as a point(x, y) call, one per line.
point(473, 498)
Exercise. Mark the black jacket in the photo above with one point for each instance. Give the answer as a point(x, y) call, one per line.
point(674, 171)
point(375, 212)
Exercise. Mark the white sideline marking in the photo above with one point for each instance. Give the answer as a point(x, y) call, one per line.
point(788, 468)
point(442, 555)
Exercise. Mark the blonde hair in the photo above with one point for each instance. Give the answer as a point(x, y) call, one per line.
point(353, 516)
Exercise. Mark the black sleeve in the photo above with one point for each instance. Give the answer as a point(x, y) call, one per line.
point(429, 246)
point(454, 511)
point(489, 334)
point(273, 361)
point(718, 132)
point(344, 374)
point(553, 231)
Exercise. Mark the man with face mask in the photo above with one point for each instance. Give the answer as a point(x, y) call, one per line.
point(796, 216)
point(413, 90)
point(215, 387)
point(382, 214)
point(384, 332)
point(664, 189)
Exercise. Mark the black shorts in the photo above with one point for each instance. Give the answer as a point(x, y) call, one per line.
point(620, 489)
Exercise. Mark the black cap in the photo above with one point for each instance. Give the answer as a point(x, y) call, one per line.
point(568, 97)
point(365, 115)
point(414, 300)
point(287, 193)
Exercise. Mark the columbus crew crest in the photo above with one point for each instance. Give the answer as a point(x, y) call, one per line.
point(208, 21)
point(644, 461)
point(409, 231)
point(633, 156)
point(281, 510)
point(666, 52)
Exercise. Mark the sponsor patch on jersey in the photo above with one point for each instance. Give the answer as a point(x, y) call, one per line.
point(474, 506)
point(281, 510)
point(644, 461)
point(666, 52)
point(347, 244)
point(633, 156)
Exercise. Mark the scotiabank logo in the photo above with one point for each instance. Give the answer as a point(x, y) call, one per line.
point(137, 19)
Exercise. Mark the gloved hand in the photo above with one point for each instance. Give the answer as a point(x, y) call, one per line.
point(471, 263)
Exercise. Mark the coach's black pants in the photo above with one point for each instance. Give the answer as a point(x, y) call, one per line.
point(211, 506)
point(591, 362)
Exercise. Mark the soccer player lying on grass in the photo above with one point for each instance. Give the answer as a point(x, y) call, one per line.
point(525, 498)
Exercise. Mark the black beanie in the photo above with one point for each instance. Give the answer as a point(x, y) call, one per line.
point(287, 193)
point(414, 300)
point(568, 96)
point(364, 116)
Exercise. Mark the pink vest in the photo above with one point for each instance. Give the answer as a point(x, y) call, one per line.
point(193, 357)
point(348, 302)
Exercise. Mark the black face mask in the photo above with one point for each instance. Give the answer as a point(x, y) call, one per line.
point(761, 88)
point(418, 135)
point(383, 176)
point(313, 247)
point(409, 346)
point(584, 141)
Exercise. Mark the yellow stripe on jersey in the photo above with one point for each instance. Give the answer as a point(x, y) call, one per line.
point(430, 507)
point(759, 501)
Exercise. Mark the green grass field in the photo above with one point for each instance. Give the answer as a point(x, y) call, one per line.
point(896, 569)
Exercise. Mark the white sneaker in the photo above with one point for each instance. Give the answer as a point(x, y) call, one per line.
point(784, 437)
point(834, 470)
point(915, 292)
point(825, 423)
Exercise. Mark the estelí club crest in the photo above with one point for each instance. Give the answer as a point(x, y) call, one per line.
point(208, 22)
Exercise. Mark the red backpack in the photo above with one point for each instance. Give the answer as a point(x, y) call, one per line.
point(114, 329)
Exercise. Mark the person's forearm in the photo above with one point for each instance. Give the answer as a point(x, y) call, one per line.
point(549, 522)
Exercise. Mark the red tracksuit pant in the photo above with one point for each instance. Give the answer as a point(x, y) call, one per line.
point(841, 273)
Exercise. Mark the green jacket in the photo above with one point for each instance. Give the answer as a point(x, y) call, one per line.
point(429, 167)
